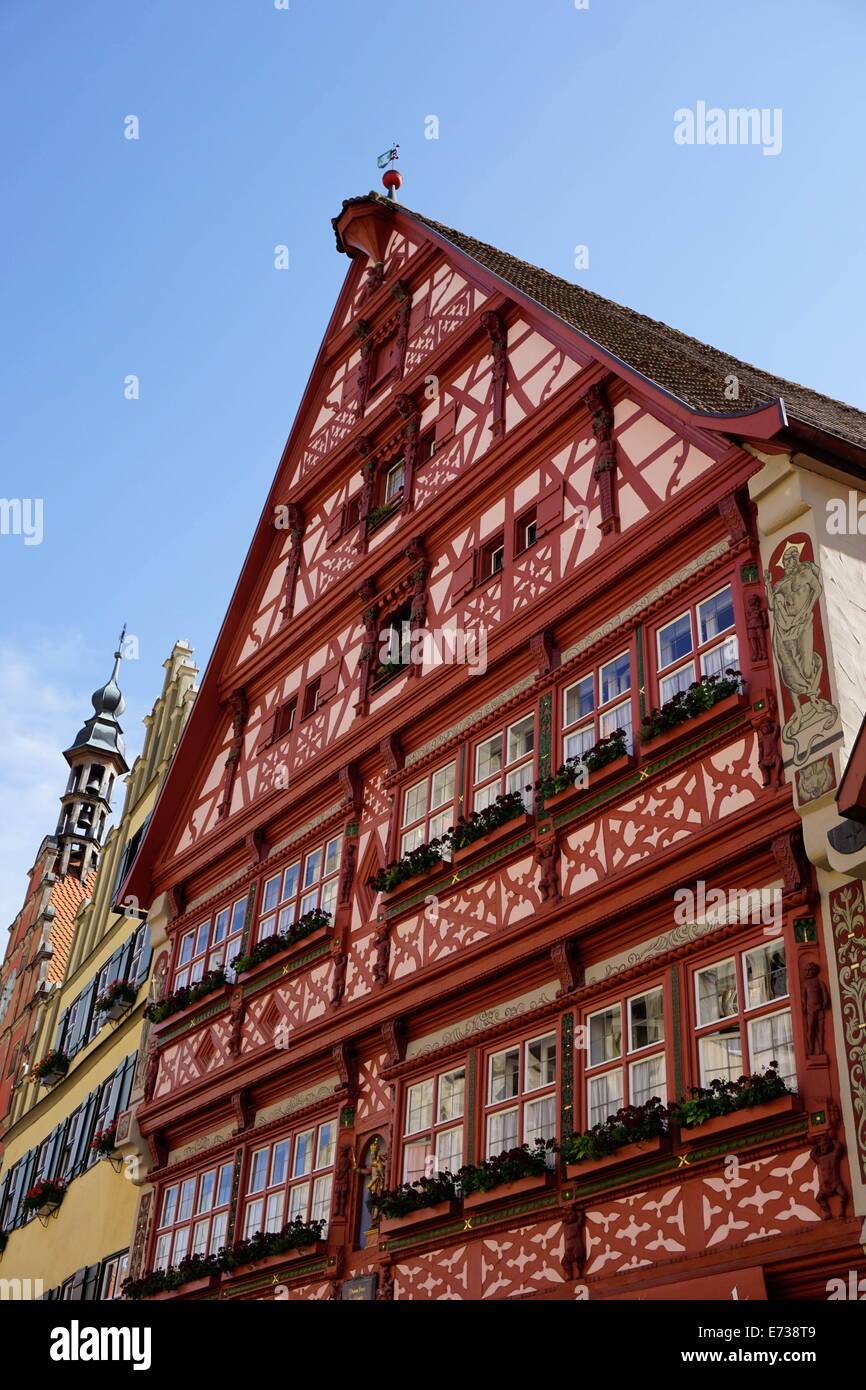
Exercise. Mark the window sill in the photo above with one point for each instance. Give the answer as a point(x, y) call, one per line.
point(537, 1182)
point(627, 1153)
point(742, 1119)
point(410, 886)
point(383, 681)
point(392, 1225)
point(680, 734)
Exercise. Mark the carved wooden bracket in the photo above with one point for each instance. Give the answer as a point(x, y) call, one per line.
point(257, 845)
point(395, 1039)
point(383, 954)
point(565, 963)
point(352, 784)
point(346, 1063)
point(544, 651)
point(243, 1108)
point(393, 753)
point(736, 513)
point(795, 868)
point(347, 872)
point(177, 900)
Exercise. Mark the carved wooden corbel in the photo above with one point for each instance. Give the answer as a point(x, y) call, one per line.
point(243, 1108)
point(346, 1063)
point(257, 845)
point(544, 651)
point(395, 1038)
point(392, 752)
point(736, 514)
point(565, 963)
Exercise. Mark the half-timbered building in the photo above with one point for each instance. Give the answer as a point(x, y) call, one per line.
point(542, 569)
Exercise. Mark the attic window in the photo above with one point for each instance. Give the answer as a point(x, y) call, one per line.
point(525, 531)
point(493, 558)
point(384, 364)
point(311, 698)
point(286, 718)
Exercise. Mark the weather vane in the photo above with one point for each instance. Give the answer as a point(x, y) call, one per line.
point(392, 179)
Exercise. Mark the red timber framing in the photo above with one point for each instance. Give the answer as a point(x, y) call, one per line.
point(555, 545)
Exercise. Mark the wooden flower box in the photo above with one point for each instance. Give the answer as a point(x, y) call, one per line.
point(536, 1182)
point(439, 1212)
point(277, 1261)
point(280, 958)
point(210, 1281)
point(410, 886)
point(609, 773)
point(626, 1153)
point(495, 837)
point(754, 1115)
point(682, 733)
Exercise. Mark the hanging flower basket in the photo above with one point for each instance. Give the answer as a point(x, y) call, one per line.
point(116, 999)
point(51, 1069)
point(104, 1143)
point(44, 1197)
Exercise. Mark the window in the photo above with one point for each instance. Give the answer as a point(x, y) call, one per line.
point(625, 1057)
point(291, 1177)
point(394, 482)
point(433, 1125)
point(193, 1216)
point(113, 1275)
point(428, 808)
point(311, 698)
point(385, 364)
point(504, 763)
point(492, 558)
point(213, 943)
point(694, 644)
point(740, 1027)
point(596, 706)
point(525, 531)
point(285, 721)
point(306, 884)
point(521, 1094)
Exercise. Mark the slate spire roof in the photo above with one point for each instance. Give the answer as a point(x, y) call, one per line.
point(692, 371)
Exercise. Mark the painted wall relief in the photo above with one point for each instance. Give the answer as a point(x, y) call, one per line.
point(794, 587)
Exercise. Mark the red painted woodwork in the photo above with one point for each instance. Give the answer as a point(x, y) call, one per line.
point(627, 1153)
point(475, 993)
point(440, 1211)
point(758, 1114)
point(521, 1187)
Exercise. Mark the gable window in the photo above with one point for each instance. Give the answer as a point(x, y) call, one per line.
point(428, 808)
point(308, 883)
point(210, 945)
point(521, 1094)
point(625, 1055)
point(595, 706)
point(289, 1178)
point(699, 642)
point(311, 698)
point(193, 1216)
point(433, 1117)
point(525, 531)
point(504, 763)
point(285, 721)
point(492, 558)
point(740, 1026)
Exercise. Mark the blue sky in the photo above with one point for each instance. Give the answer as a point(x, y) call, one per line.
point(155, 257)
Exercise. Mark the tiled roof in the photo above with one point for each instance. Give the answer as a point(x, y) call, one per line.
point(693, 371)
point(67, 896)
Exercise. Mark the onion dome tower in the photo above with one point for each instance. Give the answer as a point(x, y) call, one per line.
point(95, 759)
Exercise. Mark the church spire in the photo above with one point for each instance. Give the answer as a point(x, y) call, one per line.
point(95, 757)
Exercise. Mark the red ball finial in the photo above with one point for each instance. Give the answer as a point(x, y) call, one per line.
point(392, 179)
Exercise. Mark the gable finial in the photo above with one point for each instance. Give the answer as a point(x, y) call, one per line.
point(392, 178)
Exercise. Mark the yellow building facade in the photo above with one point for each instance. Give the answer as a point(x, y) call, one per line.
point(79, 1250)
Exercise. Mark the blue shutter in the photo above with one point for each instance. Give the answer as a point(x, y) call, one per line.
point(82, 1018)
